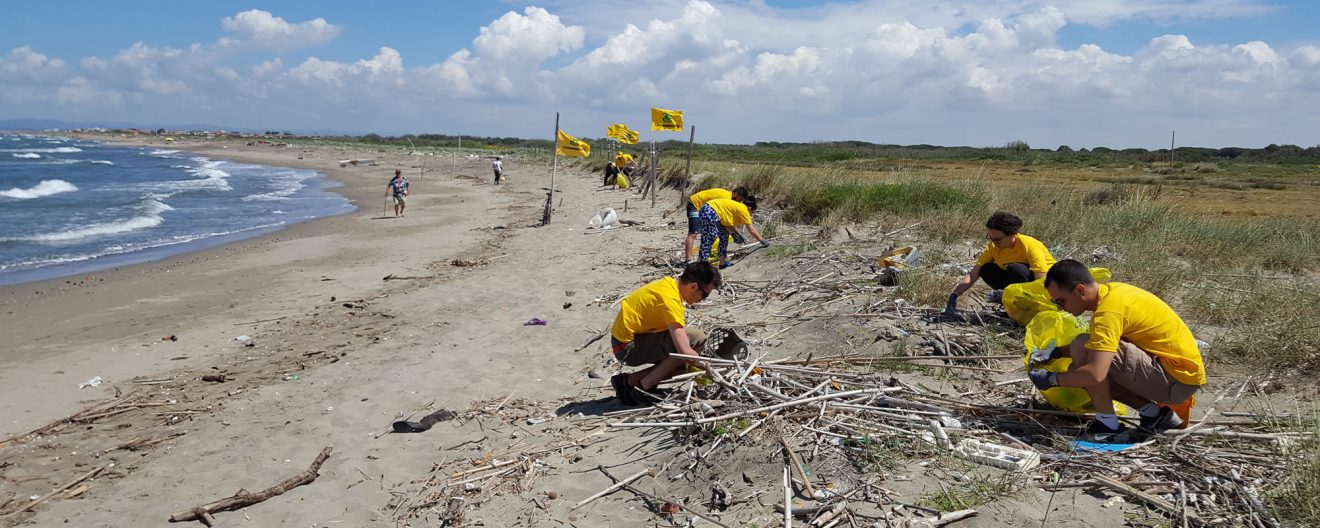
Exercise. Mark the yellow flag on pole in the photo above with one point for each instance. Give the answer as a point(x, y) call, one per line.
point(671, 120)
point(572, 147)
point(622, 133)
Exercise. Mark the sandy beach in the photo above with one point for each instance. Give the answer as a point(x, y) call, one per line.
point(328, 331)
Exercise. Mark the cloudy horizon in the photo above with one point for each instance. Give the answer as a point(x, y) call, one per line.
point(1113, 73)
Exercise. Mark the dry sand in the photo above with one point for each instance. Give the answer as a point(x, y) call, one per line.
point(339, 354)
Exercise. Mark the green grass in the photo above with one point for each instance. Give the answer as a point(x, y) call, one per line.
point(1296, 500)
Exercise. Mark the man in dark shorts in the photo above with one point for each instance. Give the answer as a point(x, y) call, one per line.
point(398, 187)
point(498, 166)
point(651, 326)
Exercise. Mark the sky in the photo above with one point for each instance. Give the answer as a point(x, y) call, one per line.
point(1083, 73)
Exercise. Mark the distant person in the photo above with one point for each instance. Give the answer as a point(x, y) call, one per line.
point(398, 187)
point(720, 220)
point(611, 174)
point(498, 166)
point(693, 206)
point(651, 325)
point(1009, 258)
point(1138, 351)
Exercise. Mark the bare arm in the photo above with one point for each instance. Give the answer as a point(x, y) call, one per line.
point(680, 337)
point(1093, 372)
point(755, 234)
point(967, 281)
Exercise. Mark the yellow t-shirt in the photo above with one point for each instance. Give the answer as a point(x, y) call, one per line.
point(1139, 317)
point(1026, 250)
point(732, 214)
point(650, 309)
point(622, 160)
point(700, 199)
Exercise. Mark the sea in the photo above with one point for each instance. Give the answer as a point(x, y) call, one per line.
point(71, 207)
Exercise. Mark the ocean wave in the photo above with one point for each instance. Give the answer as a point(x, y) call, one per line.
point(103, 162)
point(27, 155)
point(150, 216)
point(210, 178)
point(119, 249)
point(45, 188)
point(160, 153)
point(56, 150)
point(285, 189)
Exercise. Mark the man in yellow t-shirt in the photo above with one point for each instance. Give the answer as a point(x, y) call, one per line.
point(651, 326)
point(1009, 258)
point(693, 207)
point(1138, 351)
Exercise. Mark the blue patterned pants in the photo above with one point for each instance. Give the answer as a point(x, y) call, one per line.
point(710, 231)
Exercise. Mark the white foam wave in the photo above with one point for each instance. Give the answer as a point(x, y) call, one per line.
point(284, 189)
point(211, 178)
point(45, 188)
point(103, 162)
point(151, 217)
point(118, 249)
point(56, 150)
point(162, 152)
point(27, 155)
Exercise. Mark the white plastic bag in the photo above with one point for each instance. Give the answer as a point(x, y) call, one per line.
point(604, 219)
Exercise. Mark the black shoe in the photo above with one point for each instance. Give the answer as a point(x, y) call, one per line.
point(649, 397)
point(1165, 420)
point(622, 390)
point(1102, 434)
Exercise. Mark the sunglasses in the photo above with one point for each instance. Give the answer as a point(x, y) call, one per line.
point(996, 239)
point(704, 292)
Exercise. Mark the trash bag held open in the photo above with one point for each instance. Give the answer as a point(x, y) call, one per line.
point(1023, 301)
point(1059, 329)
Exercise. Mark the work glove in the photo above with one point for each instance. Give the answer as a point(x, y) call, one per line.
point(1045, 354)
point(765, 243)
point(951, 309)
point(1043, 379)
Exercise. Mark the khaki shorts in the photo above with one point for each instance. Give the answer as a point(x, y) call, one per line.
point(1136, 377)
point(648, 349)
point(400, 199)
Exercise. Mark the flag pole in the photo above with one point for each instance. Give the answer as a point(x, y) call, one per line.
point(554, 168)
point(687, 173)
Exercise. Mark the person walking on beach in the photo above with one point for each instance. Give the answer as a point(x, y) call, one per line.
point(1009, 258)
point(720, 219)
point(693, 206)
point(398, 187)
point(1137, 351)
point(498, 165)
point(650, 326)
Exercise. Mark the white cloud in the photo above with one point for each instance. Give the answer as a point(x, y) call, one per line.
point(260, 28)
point(880, 70)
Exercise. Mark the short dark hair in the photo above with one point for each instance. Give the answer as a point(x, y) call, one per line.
point(398, 172)
point(750, 202)
point(1068, 273)
point(742, 191)
point(1008, 223)
point(702, 273)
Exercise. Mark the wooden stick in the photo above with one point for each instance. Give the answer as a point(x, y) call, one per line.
point(1145, 497)
point(57, 491)
point(611, 489)
point(245, 498)
point(788, 502)
point(768, 408)
point(800, 467)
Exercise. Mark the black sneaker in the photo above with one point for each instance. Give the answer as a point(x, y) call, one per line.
point(1165, 420)
point(622, 390)
point(1100, 433)
point(649, 397)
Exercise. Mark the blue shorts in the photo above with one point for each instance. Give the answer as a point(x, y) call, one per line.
point(694, 219)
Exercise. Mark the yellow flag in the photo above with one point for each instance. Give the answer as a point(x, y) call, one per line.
point(622, 133)
point(662, 119)
point(572, 147)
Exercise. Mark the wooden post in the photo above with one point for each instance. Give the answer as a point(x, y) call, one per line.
point(554, 168)
point(1171, 140)
point(654, 180)
point(687, 173)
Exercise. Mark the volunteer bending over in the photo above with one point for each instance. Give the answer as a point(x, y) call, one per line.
point(720, 219)
point(1138, 351)
point(1009, 258)
point(694, 204)
point(651, 326)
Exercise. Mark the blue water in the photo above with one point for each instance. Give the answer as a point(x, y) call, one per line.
point(70, 206)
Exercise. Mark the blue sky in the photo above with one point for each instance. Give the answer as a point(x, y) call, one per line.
point(1079, 72)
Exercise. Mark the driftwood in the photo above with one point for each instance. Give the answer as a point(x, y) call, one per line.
point(246, 498)
point(57, 491)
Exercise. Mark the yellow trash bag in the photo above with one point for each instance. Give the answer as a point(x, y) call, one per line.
point(621, 181)
point(1023, 301)
point(1056, 328)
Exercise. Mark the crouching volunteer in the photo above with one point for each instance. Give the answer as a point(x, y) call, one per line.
point(1138, 351)
point(651, 326)
point(694, 204)
point(1009, 258)
point(720, 219)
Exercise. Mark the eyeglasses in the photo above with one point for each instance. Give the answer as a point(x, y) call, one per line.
point(996, 239)
point(1058, 302)
point(704, 292)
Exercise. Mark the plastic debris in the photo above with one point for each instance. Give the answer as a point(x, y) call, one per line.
point(94, 382)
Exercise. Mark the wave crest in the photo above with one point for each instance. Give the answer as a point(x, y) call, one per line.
point(45, 188)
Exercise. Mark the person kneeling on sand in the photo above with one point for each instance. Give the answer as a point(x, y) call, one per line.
point(651, 326)
point(1138, 351)
point(1009, 258)
point(720, 219)
point(399, 188)
point(694, 204)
